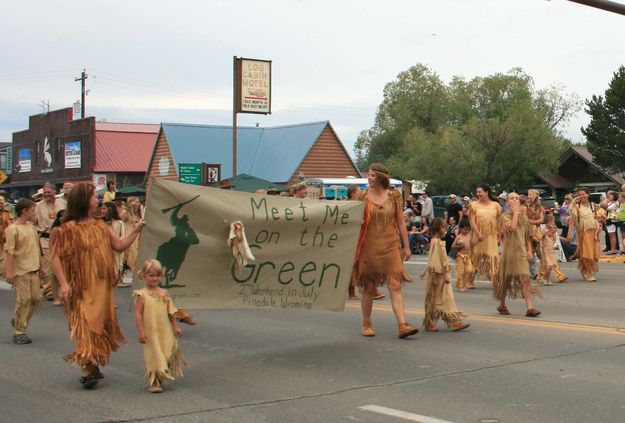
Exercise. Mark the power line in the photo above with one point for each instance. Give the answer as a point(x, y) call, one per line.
point(196, 94)
point(125, 78)
point(219, 96)
point(31, 74)
point(225, 101)
point(126, 86)
point(34, 79)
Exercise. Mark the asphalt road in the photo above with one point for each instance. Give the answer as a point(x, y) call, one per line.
point(296, 366)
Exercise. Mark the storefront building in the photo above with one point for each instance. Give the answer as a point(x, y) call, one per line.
point(57, 148)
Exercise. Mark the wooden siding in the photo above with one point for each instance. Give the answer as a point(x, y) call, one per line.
point(326, 159)
point(161, 150)
point(58, 127)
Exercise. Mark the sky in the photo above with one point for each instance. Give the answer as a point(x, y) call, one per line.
point(164, 61)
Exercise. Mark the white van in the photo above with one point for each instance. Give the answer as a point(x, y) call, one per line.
point(597, 197)
point(336, 188)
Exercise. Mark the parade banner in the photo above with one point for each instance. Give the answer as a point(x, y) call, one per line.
point(303, 249)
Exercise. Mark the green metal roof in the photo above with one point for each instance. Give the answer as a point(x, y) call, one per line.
point(273, 154)
point(247, 183)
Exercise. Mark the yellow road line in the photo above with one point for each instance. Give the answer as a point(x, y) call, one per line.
point(578, 327)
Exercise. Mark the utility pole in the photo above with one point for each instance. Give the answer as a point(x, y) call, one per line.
point(236, 95)
point(82, 79)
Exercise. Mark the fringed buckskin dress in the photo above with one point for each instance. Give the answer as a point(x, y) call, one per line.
point(379, 259)
point(584, 220)
point(484, 253)
point(86, 254)
point(513, 266)
point(161, 352)
point(439, 296)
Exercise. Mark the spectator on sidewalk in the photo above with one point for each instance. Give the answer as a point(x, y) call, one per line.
point(563, 213)
point(109, 195)
point(452, 231)
point(428, 207)
point(453, 209)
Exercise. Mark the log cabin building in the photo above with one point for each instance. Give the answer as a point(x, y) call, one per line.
point(576, 168)
point(282, 154)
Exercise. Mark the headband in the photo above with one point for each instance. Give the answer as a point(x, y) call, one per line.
point(377, 172)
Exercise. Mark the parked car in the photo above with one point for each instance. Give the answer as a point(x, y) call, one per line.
point(597, 197)
point(440, 204)
point(551, 206)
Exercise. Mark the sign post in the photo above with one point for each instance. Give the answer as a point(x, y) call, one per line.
point(251, 92)
point(190, 173)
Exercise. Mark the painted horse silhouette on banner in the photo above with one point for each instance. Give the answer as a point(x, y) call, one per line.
point(172, 253)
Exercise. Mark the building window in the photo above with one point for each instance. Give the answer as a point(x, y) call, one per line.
point(3, 161)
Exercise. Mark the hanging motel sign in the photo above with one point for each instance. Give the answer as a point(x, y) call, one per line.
point(252, 94)
point(252, 86)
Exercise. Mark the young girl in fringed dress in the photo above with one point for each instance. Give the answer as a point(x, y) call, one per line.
point(513, 278)
point(157, 326)
point(549, 262)
point(439, 296)
point(464, 266)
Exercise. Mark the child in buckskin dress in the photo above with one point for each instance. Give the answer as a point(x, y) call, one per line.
point(157, 327)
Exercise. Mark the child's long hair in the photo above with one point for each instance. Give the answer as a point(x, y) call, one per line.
point(437, 228)
point(151, 266)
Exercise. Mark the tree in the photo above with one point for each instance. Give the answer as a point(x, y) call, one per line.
point(436, 158)
point(497, 129)
point(605, 133)
point(416, 98)
point(512, 127)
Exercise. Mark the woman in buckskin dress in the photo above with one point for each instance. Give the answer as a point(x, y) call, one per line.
point(513, 278)
point(379, 253)
point(484, 217)
point(83, 263)
point(584, 220)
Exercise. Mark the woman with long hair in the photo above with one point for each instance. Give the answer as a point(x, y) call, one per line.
point(83, 262)
point(484, 216)
point(379, 253)
point(584, 220)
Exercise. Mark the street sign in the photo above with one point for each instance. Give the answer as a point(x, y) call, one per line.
point(3, 177)
point(190, 173)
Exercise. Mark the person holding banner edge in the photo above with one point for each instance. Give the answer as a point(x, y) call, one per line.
point(379, 253)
